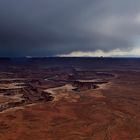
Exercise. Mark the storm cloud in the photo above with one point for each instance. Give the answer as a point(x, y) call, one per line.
point(63, 27)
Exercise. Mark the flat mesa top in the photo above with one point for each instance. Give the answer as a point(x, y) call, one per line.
point(89, 81)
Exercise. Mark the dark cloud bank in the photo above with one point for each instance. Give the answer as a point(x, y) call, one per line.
point(52, 27)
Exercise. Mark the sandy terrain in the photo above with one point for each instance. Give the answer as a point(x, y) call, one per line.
point(60, 92)
point(112, 113)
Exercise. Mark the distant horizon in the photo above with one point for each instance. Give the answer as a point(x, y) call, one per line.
point(62, 57)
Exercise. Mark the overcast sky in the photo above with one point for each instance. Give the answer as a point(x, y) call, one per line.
point(69, 27)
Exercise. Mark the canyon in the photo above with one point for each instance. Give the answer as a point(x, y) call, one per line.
point(45, 99)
